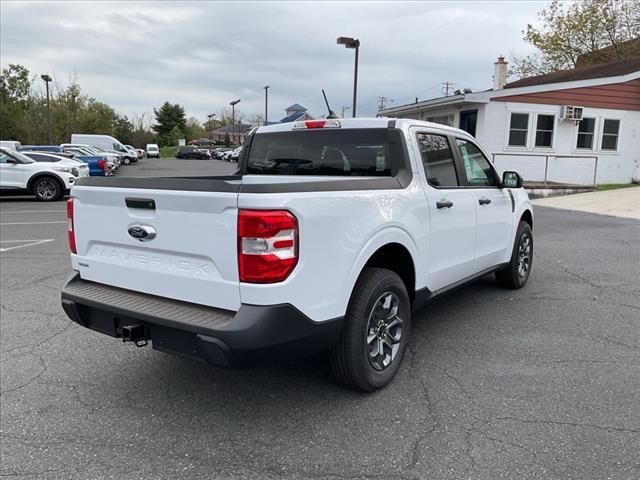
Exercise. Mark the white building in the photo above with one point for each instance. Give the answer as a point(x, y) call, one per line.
point(573, 126)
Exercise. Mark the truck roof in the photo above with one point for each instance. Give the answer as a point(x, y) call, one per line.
point(374, 122)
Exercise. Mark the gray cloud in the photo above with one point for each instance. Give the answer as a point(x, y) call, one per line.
point(136, 55)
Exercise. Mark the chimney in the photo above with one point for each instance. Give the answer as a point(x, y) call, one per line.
point(500, 74)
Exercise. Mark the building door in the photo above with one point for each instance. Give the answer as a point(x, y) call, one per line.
point(468, 120)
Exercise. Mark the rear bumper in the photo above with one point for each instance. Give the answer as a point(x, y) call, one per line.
point(252, 335)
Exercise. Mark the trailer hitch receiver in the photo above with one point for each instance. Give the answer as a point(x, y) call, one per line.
point(136, 334)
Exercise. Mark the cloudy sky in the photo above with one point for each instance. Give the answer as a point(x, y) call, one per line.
point(135, 55)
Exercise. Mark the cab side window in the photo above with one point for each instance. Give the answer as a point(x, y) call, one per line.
point(476, 165)
point(437, 159)
point(3, 158)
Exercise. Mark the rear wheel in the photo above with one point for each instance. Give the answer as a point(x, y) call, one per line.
point(376, 331)
point(516, 274)
point(47, 189)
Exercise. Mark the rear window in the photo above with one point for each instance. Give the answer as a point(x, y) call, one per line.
point(348, 152)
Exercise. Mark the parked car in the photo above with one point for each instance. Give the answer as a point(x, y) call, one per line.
point(112, 157)
point(79, 168)
point(133, 152)
point(328, 237)
point(107, 143)
point(140, 152)
point(153, 150)
point(99, 165)
point(20, 174)
point(193, 153)
point(10, 144)
point(234, 156)
point(219, 152)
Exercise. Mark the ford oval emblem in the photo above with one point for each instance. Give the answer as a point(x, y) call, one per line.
point(144, 233)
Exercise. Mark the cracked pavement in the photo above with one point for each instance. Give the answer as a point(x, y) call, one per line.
point(538, 383)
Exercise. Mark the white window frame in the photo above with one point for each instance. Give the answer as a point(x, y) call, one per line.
point(534, 132)
point(527, 145)
point(601, 133)
point(596, 129)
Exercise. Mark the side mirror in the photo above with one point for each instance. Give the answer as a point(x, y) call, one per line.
point(511, 180)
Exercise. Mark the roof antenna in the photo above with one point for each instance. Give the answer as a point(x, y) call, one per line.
point(332, 114)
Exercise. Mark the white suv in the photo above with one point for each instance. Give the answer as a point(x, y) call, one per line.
point(46, 181)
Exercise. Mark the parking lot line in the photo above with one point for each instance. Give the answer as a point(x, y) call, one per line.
point(32, 243)
point(29, 223)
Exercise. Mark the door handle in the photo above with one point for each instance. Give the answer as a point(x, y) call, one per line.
point(444, 204)
point(484, 201)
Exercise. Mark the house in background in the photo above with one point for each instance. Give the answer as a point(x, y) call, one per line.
point(296, 113)
point(236, 134)
point(578, 126)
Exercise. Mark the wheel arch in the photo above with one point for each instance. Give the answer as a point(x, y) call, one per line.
point(527, 216)
point(391, 248)
point(40, 175)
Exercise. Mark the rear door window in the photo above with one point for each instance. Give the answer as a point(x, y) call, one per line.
point(437, 159)
point(348, 152)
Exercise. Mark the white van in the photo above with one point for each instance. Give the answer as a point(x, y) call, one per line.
point(107, 143)
point(153, 150)
point(12, 144)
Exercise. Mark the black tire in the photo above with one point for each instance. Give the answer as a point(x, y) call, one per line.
point(47, 189)
point(352, 361)
point(516, 274)
point(126, 160)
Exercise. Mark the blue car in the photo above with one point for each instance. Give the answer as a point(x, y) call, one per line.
point(98, 166)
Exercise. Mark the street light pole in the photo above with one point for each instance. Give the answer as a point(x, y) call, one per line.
point(233, 119)
point(354, 43)
point(47, 79)
point(266, 103)
point(210, 116)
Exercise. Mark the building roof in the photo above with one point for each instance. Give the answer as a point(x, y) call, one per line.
point(296, 108)
point(611, 69)
point(294, 116)
point(239, 129)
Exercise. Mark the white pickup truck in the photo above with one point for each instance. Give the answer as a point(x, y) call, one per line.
point(327, 238)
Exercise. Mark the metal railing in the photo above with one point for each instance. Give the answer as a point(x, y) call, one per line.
point(546, 162)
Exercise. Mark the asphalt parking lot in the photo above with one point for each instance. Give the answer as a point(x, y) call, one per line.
point(543, 382)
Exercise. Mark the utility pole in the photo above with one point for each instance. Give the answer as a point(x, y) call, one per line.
point(446, 86)
point(382, 102)
point(344, 109)
point(48, 79)
point(266, 103)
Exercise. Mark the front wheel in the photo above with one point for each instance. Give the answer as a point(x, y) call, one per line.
point(375, 333)
point(126, 160)
point(516, 273)
point(47, 189)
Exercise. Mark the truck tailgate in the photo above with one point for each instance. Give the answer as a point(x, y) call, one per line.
point(192, 257)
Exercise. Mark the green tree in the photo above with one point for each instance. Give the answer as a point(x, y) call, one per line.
point(227, 140)
point(174, 135)
point(569, 30)
point(168, 117)
point(194, 129)
point(123, 129)
point(15, 88)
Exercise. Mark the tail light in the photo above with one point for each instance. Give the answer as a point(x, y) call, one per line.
point(102, 165)
point(267, 245)
point(71, 232)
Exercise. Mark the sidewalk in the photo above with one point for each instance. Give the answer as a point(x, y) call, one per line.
point(624, 202)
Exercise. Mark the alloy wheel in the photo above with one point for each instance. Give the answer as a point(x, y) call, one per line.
point(524, 256)
point(47, 189)
point(384, 331)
